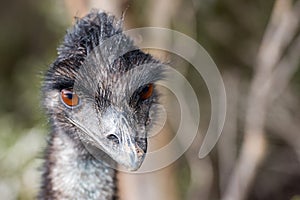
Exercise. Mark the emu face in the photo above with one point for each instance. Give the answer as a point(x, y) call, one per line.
point(101, 94)
point(111, 107)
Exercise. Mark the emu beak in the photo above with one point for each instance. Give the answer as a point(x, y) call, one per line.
point(131, 155)
point(122, 143)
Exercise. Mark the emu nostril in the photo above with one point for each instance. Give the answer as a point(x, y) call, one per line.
point(113, 138)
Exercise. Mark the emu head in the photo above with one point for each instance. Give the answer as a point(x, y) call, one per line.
point(100, 90)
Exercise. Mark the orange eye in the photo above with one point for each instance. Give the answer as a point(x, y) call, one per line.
point(69, 97)
point(146, 92)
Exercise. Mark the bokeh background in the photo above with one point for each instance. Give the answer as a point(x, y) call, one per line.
point(256, 46)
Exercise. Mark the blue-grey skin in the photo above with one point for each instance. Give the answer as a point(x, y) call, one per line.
point(110, 123)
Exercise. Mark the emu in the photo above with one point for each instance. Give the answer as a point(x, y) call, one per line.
point(98, 109)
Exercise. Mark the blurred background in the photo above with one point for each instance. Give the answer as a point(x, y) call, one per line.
point(256, 46)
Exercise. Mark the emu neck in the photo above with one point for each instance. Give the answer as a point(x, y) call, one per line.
point(70, 172)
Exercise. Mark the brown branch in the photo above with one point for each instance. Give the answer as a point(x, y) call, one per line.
point(278, 35)
point(77, 8)
point(111, 6)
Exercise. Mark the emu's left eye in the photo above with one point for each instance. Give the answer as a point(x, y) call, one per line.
point(146, 92)
point(69, 98)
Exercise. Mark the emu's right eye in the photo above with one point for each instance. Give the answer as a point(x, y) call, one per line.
point(69, 98)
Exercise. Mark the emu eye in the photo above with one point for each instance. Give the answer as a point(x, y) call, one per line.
point(146, 91)
point(69, 98)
